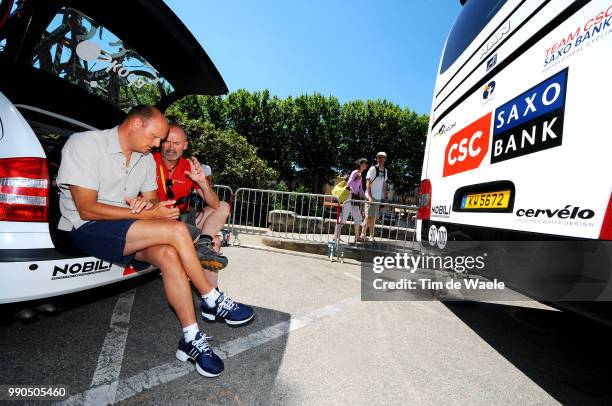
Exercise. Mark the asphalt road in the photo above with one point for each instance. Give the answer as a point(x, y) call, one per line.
point(313, 342)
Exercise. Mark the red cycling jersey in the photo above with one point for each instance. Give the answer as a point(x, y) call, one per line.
point(180, 183)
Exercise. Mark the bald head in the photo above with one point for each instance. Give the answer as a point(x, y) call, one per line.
point(174, 145)
point(177, 133)
point(144, 127)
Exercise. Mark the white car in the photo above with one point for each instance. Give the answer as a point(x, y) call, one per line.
point(64, 72)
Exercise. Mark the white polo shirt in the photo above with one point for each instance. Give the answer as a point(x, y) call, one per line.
point(94, 160)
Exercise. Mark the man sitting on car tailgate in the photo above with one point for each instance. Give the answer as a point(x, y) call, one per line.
point(177, 177)
point(100, 177)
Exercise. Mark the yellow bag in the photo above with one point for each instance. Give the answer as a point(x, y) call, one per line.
point(341, 191)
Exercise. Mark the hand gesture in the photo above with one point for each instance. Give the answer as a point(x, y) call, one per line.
point(196, 172)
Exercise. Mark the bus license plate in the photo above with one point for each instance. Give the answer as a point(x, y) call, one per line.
point(490, 200)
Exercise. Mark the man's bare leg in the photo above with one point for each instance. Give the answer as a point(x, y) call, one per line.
point(210, 221)
point(212, 276)
point(176, 283)
point(148, 233)
point(372, 225)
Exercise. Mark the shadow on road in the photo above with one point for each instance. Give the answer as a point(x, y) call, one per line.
point(64, 349)
point(565, 354)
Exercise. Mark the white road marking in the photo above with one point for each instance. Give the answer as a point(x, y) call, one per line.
point(353, 276)
point(110, 359)
point(129, 387)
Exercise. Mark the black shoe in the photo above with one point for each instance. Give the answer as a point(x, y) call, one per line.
point(209, 257)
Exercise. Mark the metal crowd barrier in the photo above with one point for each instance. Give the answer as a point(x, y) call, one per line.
point(225, 193)
point(394, 228)
point(288, 215)
point(314, 217)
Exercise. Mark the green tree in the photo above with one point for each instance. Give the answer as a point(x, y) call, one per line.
point(263, 119)
point(314, 130)
point(207, 108)
point(311, 138)
point(353, 142)
point(260, 118)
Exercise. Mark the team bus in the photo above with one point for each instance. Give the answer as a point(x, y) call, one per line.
point(519, 144)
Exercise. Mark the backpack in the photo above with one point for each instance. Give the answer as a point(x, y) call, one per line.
point(378, 173)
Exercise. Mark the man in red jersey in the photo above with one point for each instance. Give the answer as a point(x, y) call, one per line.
point(177, 177)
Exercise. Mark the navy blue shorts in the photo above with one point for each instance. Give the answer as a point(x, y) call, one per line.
point(105, 240)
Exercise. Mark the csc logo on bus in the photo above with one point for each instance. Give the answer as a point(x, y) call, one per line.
point(467, 148)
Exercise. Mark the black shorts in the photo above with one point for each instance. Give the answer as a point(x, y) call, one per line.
point(105, 240)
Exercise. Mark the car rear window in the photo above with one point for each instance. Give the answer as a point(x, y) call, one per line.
point(473, 18)
point(77, 49)
point(7, 10)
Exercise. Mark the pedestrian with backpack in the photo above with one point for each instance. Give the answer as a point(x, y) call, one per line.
point(376, 192)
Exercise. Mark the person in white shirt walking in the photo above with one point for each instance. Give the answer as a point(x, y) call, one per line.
point(376, 192)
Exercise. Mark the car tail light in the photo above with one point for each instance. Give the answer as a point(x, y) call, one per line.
point(424, 200)
point(606, 227)
point(24, 189)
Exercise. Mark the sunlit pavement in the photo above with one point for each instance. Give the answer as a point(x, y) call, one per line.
point(313, 342)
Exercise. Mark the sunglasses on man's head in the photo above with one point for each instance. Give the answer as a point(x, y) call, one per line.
point(170, 193)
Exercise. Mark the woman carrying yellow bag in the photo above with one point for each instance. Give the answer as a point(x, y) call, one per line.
point(355, 189)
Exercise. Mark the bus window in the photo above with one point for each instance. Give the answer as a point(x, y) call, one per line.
point(472, 19)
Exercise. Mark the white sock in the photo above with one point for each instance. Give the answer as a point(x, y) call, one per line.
point(190, 332)
point(211, 297)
